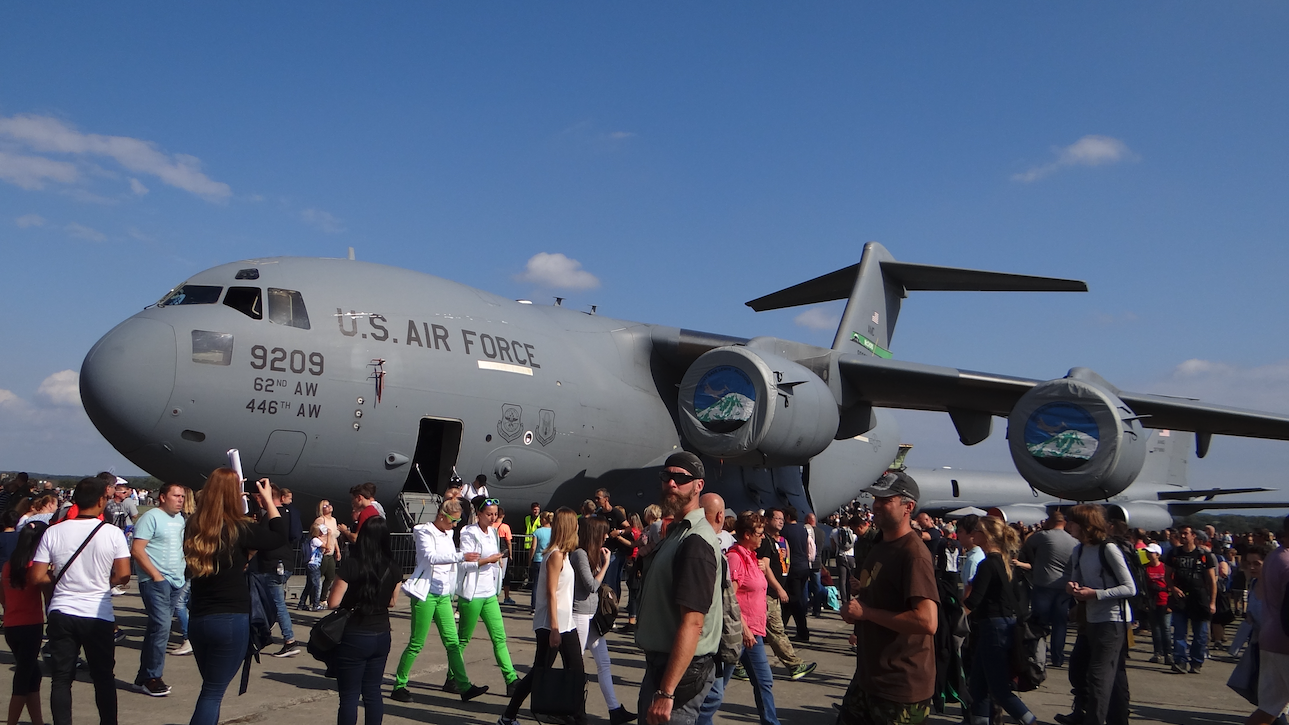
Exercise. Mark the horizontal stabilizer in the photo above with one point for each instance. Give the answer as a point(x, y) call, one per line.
point(1190, 509)
point(1206, 494)
point(913, 278)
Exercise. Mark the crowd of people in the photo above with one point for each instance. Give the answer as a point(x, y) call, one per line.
point(935, 605)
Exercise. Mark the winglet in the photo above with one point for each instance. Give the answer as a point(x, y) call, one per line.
point(874, 287)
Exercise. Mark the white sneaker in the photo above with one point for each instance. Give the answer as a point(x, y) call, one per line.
point(183, 649)
point(118, 591)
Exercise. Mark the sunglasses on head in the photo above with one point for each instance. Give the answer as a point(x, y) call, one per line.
point(490, 502)
point(680, 478)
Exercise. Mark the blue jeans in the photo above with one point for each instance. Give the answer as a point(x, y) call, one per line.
point(277, 585)
point(1159, 630)
point(1052, 607)
point(160, 600)
point(757, 667)
point(360, 666)
point(816, 588)
point(1199, 639)
point(613, 575)
point(313, 588)
point(219, 644)
point(181, 609)
point(991, 644)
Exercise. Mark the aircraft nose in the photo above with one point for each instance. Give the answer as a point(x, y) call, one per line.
point(127, 379)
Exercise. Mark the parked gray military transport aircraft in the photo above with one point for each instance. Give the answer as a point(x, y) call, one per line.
point(330, 372)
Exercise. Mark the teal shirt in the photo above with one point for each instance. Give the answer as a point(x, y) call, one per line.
point(165, 547)
point(541, 540)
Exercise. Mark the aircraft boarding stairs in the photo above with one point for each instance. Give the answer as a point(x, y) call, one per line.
point(418, 508)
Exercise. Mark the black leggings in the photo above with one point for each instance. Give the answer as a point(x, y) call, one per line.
point(570, 651)
point(24, 643)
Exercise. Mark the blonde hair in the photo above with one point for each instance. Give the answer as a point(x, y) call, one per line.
point(214, 526)
point(563, 531)
point(652, 513)
point(1001, 537)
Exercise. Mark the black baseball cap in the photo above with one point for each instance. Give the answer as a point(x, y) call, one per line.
point(894, 484)
point(686, 460)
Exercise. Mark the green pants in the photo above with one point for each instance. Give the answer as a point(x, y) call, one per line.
point(471, 610)
point(436, 608)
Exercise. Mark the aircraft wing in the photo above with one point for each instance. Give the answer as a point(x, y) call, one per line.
point(1189, 509)
point(890, 383)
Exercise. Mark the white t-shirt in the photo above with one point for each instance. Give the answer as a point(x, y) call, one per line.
point(85, 590)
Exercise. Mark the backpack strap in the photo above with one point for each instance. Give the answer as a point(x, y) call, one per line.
point(59, 576)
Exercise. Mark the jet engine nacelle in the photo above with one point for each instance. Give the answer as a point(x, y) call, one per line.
point(755, 408)
point(1141, 514)
point(1073, 438)
point(1019, 513)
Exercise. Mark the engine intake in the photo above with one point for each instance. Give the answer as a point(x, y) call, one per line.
point(1073, 438)
point(755, 408)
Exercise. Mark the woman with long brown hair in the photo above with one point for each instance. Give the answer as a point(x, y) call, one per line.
point(218, 540)
point(590, 563)
point(992, 609)
point(553, 622)
point(1099, 578)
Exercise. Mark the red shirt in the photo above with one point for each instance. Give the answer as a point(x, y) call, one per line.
point(1156, 574)
point(366, 513)
point(22, 606)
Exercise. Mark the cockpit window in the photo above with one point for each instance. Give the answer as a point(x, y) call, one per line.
point(192, 294)
point(212, 348)
point(245, 300)
point(286, 307)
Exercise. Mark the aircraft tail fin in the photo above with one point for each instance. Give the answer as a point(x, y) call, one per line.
point(874, 288)
point(1167, 459)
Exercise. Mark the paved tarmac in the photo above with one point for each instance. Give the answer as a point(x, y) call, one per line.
point(294, 690)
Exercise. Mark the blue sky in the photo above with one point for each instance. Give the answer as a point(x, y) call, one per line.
point(683, 158)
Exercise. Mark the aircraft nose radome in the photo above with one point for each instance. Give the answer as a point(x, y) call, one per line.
point(127, 379)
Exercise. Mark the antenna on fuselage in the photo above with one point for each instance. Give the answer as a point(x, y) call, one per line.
point(351, 254)
point(559, 301)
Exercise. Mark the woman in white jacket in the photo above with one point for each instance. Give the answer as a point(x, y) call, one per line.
point(430, 589)
point(480, 585)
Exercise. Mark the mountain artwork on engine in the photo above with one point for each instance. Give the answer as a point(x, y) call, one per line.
point(725, 399)
point(1061, 436)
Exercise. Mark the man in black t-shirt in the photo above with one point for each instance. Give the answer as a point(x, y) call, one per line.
point(1191, 574)
point(618, 551)
point(772, 555)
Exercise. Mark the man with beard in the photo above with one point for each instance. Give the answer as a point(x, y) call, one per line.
point(679, 621)
point(895, 616)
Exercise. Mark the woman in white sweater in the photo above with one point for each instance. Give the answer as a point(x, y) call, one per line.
point(481, 583)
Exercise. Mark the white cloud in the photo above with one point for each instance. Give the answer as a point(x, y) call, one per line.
point(1090, 150)
point(323, 221)
point(80, 231)
point(558, 272)
point(50, 135)
point(29, 220)
point(137, 187)
point(54, 438)
point(817, 318)
point(619, 135)
point(1265, 387)
point(62, 388)
point(31, 172)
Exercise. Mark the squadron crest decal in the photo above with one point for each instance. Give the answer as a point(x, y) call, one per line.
point(509, 427)
point(545, 426)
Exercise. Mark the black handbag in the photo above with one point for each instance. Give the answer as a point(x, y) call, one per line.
point(557, 694)
point(327, 633)
point(606, 612)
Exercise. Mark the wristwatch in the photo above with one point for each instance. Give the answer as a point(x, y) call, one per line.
point(660, 693)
